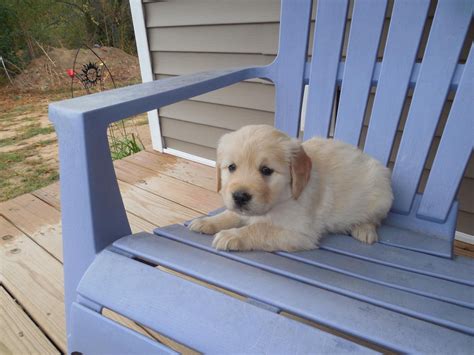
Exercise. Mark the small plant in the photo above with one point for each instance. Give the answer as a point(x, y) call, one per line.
point(123, 147)
point(123, 142)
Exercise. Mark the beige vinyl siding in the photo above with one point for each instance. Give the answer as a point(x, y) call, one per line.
point(187, 36)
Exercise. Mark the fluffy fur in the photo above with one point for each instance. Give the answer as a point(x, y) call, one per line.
point(320, 186)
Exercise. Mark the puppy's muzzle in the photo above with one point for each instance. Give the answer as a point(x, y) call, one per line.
point(241, 198)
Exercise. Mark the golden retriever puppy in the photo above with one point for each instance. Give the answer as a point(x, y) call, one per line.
point(282, 194)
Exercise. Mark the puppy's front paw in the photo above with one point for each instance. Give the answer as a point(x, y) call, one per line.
point(366, 233)
point(203, 225)
point(229, 239)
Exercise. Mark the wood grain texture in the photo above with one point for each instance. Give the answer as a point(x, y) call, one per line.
point(35, 279)
point(40, 221)
point(184, 170)
point(50, 195)
point(153, 208)
point(19, 335)
point(185, 194)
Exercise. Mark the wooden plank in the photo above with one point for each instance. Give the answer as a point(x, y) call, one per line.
point(440, 59)
point(405, 302)
point(364, 37)
point(191, 196)
point(165, 14)
point(96, 334)
point(404, 35)
point(329, 308)
point(35, 279)
point(50, 195)
point(429, 286)
point(239, 38)
point(153, 208)
point(19, 334)
point(288, 73)
point(401, 258)
point(454, 150)
point(40, 221)
point(188, 312)
point(464, 249)
point(327, 44)
point(178, 168)
point(34, 226)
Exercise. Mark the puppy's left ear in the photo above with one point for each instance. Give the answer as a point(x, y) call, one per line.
point(300, 172)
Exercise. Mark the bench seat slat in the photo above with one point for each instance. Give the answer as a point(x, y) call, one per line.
point(428, 286)
point(373, 323)
point(460, 269)
point(462, 272)
point(98, 331)
point(443, 313)
point(447, 34)
point(204, 319)
point(364, 36)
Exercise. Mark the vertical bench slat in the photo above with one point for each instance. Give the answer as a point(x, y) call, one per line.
point(453, 152)
point(328, 37)
point(406, 27)
point(290, 63)
point(367, 21)
point(448, 30)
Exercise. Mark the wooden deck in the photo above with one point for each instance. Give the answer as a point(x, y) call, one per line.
point(157, 189)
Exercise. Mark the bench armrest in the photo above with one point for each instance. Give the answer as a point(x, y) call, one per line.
point(93, 214)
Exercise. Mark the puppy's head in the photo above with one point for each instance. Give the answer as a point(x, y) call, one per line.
point(259, 166)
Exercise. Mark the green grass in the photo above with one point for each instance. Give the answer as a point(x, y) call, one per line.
point(26, 133)
point(6, 159)
point(23, 171)
point(124, 146)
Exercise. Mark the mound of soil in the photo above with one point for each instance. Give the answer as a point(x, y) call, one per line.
point(45, 74)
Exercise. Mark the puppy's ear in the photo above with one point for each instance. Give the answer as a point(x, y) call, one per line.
point(218, 176)
point(300, 172)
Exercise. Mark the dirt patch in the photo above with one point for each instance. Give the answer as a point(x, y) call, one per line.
point(28, 143)
point(50, 72)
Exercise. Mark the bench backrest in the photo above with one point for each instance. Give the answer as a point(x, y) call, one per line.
point(395, 78)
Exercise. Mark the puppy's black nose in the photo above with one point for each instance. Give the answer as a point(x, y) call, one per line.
point(241, 198)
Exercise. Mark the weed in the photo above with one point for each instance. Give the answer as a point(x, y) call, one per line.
point(123, 147)
point(26, 133)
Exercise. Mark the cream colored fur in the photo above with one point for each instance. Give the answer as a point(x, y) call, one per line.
point(318, 187)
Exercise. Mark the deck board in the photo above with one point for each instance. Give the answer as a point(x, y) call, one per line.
point(40, 221)
point(158, 190)
point(35, 278)
point(19, 333)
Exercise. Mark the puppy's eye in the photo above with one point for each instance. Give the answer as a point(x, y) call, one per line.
point(232, 167)
point(265, 170)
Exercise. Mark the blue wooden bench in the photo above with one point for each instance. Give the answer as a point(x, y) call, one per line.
point(406, 293)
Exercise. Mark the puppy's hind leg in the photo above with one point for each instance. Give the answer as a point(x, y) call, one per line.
point(365, 232)
point(214, 224)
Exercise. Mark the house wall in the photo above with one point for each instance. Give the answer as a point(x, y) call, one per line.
point(188, 36)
